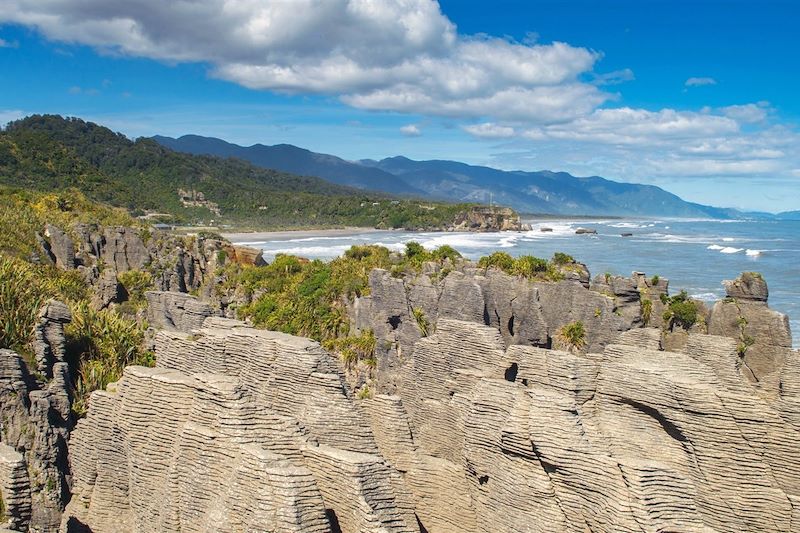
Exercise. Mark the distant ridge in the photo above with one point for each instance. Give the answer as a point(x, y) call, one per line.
point(289, 158)
point(529, 192)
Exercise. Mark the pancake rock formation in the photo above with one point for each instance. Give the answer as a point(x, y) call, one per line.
point(239, 429)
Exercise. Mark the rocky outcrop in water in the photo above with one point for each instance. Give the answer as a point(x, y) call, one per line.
point(479, 436)
point(483, 218)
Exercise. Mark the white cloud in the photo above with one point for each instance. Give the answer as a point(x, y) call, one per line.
point(411, 130)
point(614, 78)
point(748, 113)
point(391, 55)
point(490, 130)
point(9, 115)
point(697, 82)
point(8, 44)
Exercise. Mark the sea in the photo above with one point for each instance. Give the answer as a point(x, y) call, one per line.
point(694, 254)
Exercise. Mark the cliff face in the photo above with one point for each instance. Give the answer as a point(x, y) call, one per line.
point(266, 438)
point(522, 311)
point(479, 437)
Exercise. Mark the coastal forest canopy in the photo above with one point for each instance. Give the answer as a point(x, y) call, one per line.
point(52, 153)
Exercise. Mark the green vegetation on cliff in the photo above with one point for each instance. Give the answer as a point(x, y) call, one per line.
point(50, 153)
point(99, 344)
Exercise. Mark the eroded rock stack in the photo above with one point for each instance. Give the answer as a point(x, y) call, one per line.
point(36, 423)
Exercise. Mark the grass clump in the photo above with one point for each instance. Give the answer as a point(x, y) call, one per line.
point(21, 298)
point(101, 344)
point(354, 349)
point(526, 266)
point(647, 310)
point(572, 336)
point(423, 323)
point(136, 283)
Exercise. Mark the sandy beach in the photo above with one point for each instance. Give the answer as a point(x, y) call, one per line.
point(260, 236)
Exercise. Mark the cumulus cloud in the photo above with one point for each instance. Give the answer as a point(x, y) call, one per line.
point(411, 130)
point(697, 82)
point(392, 55)
point(748, 113)
point(490, 130)
point(407, 56)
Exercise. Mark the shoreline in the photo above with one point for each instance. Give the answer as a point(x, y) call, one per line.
point(258, 236)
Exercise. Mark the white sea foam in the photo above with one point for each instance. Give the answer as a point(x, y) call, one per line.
point(705, 296)
point(728, 239)
point(753, 253)
point(715, 247)
point(730, 250)
point(309, 251)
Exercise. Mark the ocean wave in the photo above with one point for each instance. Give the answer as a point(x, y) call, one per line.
point(705, 296)
point(714, 247)
point(753, 253)
point(309, 251)
point(730, 250)
point(630, 225)
point(728, 239)
point(467, 240)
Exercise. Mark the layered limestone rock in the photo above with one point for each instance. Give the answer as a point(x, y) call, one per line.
point(179, 264)
point(15, 489)
point(400, 311)
point(264, 438)
point(176, 311)
point(633, 439)
point(762, 334)
point(246, 430)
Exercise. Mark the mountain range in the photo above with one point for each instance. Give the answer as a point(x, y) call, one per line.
point(528, 192)
point(50, 153)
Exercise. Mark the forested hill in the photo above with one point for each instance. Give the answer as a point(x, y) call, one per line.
point(49, 152)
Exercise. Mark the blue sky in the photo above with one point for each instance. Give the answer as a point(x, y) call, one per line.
point(697, 97)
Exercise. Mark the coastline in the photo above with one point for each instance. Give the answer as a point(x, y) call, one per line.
point(258, 236)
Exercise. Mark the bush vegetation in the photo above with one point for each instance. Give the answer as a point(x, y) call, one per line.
point(681, 310)
point(303, 297)
point(99, 343)
point(527, 266)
